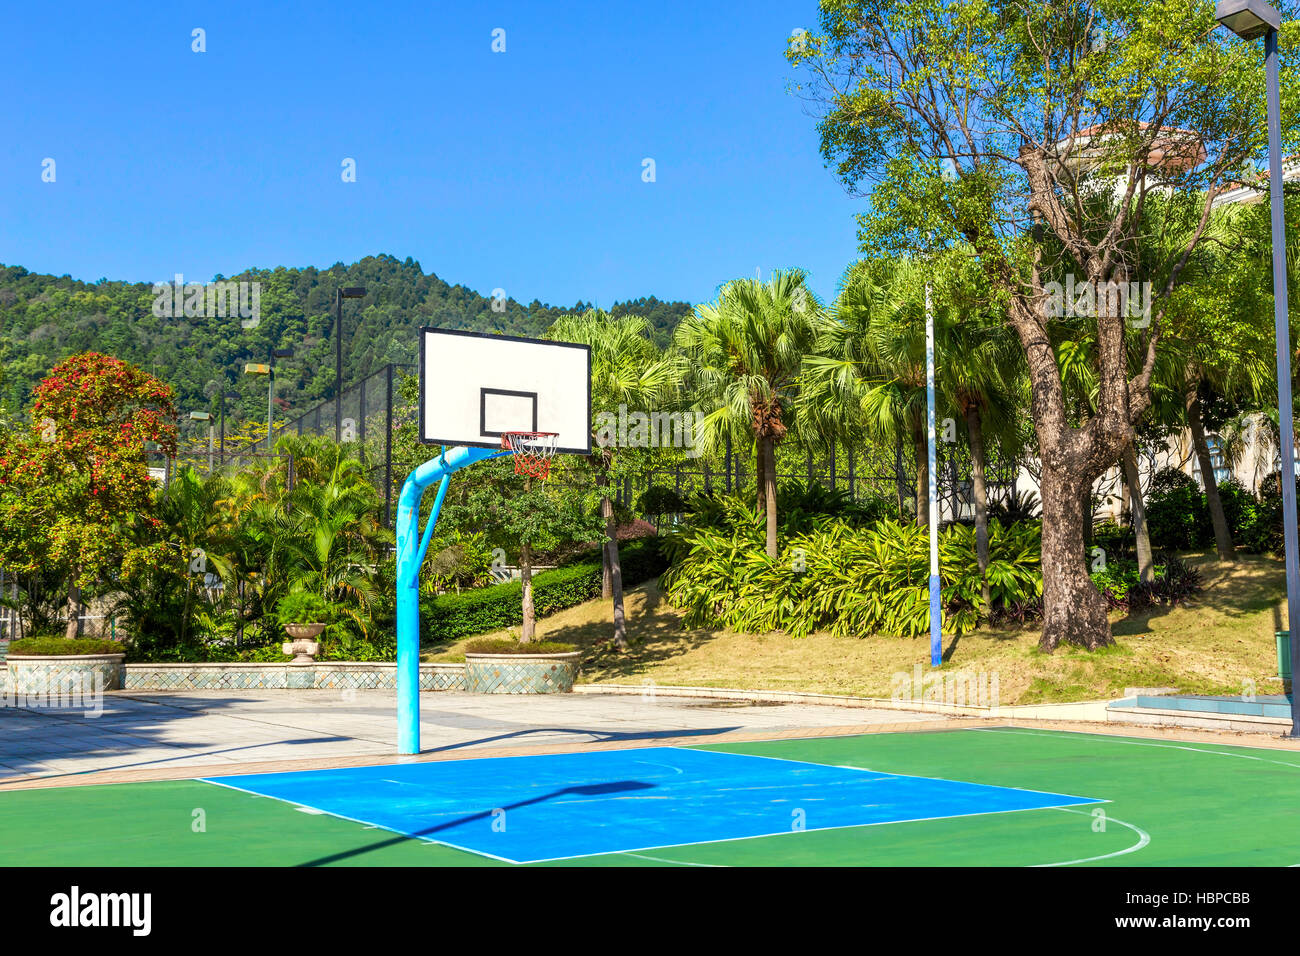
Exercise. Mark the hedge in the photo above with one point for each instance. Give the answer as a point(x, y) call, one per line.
point(42, 646)
point(499, 606)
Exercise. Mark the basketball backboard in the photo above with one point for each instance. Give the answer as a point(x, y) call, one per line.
point(475, 386)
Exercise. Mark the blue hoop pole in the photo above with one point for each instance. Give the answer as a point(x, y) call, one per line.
point(410, 552)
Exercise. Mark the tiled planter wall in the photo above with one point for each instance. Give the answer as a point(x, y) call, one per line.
point(72, 674)
point(521, 673)
point(322, 675)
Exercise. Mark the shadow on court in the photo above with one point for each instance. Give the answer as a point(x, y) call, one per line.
point(595, 789)
point(597, 736)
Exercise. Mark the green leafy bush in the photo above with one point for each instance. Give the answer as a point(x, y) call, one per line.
point(486, 645)
point(662, 500)
point(1177, 516)
point(303, 607)
point(1173, 582)
point(42, 645)
point(848, 580)
point(499, 606)
point(461, 561)
point(1259, 529)
point(1016, 506)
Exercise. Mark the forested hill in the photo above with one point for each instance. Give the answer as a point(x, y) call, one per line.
point(44, 318)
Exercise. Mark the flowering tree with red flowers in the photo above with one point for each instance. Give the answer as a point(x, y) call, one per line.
point(73, 485)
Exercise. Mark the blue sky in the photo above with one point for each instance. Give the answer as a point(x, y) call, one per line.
point(519, 170)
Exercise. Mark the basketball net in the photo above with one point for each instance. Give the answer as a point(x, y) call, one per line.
point(533, 451)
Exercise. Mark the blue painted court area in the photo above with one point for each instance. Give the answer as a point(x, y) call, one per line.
point(559, 806)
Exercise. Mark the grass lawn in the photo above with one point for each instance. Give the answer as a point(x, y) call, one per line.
point(1213, 644)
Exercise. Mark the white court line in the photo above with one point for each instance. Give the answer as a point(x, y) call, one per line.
point(1132, 743)
point(659, 859)
point(914, 776)
point(1143, 839)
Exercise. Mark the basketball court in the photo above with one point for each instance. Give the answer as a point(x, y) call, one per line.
point(977, 795)
point(1012, 796)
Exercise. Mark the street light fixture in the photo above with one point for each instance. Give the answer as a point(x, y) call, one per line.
point(1251, 19)
point(205, 417)
point(268, 369)
point(221, 397)
point(346, 292)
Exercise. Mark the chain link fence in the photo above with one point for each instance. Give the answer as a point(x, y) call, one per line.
point(374, 410)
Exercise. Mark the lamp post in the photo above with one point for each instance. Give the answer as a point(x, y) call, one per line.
point(221, 397)
point(1250, 20)
point(346, 292)
point(205, 417)
point(268, 369)
point(932, 488)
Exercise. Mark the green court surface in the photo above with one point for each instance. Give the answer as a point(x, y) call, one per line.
point(1169, 804)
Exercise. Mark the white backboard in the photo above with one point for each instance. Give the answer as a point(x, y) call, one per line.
point(474, 386)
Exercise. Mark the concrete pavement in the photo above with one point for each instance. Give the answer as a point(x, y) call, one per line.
point(140, 736)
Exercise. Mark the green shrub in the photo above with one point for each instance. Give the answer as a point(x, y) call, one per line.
point(1259, 529)
point(1016, 506)
point(461, 561)
point(303, 607)
point(662, 500)
point(848, 580)
point(1173, 581)
point(499, 606)
point(487, 645)
point(1177, 516)
point(42, 645)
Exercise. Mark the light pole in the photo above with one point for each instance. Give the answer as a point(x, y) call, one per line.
point(1251, 19)
point(221, 397)
point(347, 292)
point(205, 417)
point(258, 368)
point(932, 489)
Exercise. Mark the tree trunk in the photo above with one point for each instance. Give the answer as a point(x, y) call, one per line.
point(73, 630)
point(1222, 536)
point(1085, 506)
point(980, 493)
point(769, 486)
point(529, 627)
point(1137, 511)
point(900, 482)
point(922, 476)
point(1074, 611)
point(760, 473)
point(614, 569)
point(607, 512)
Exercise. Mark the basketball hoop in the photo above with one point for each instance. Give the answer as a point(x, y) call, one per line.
point(533, 451)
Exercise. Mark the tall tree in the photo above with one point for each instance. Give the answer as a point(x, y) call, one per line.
point(78, 479)
point(997, 123)
point(628, 374)
point(744, 356)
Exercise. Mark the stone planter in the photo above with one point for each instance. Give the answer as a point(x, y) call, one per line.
point(65, 675)
point(303, 647)
point(304, 632)
point(521, 673)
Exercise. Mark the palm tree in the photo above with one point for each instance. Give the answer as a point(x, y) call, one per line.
point(867, 378)
point(980, 377)
point(626, 369)
point(195, 535)
point(744, 355)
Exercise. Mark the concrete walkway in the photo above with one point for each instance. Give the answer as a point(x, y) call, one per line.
point(152, 736)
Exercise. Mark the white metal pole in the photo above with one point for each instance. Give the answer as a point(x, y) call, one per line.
point(936, 624)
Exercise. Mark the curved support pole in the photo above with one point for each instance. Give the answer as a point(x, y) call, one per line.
point(410, 552)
